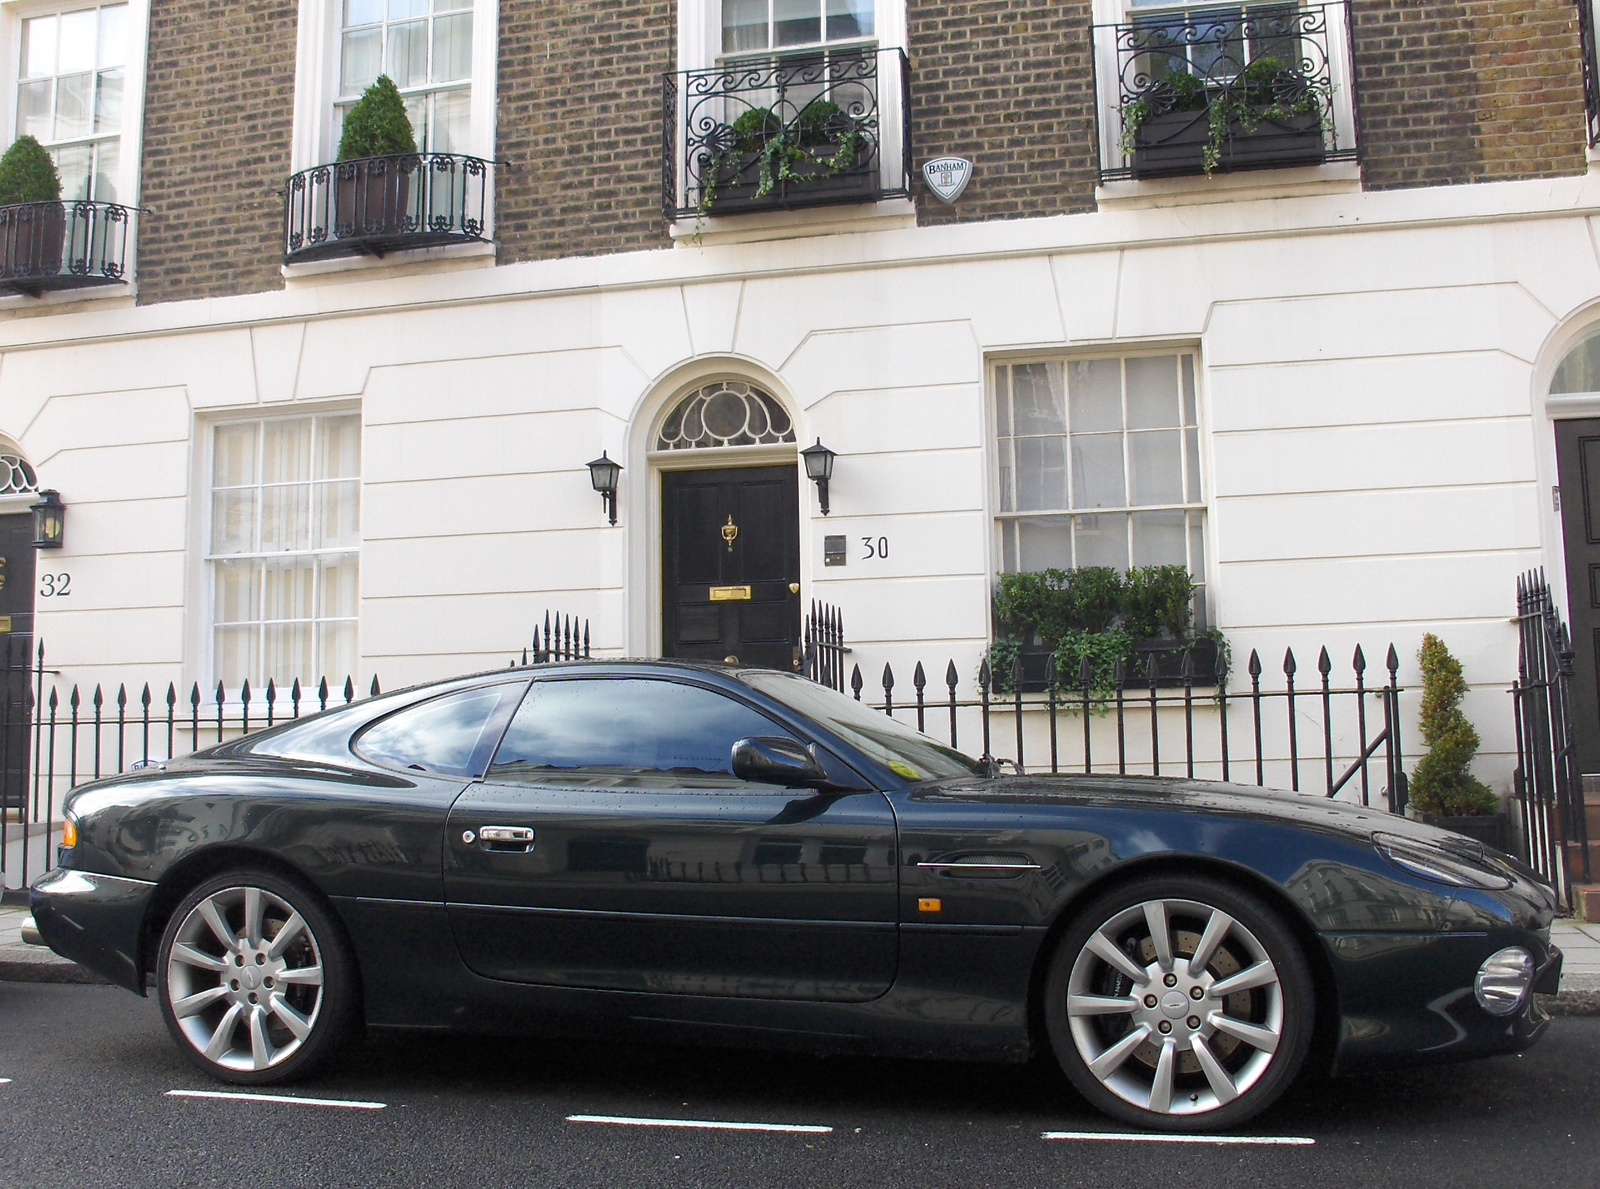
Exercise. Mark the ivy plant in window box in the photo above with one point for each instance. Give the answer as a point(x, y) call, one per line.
point(377, 155)
point(1268, 115)
point(820, 157)
point(1099, 614)
point(32, 220)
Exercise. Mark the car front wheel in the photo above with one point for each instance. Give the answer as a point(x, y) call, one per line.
point(1179, 1004)
point(254, 978)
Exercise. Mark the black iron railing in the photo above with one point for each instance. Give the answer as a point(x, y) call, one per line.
point(1547, 786)
point(377, 205)
point(814, 129)
point(823, 648)
point(1315, 736)
point(1591, 69)
point(566, 639)
point(47, 246)
point(1252, 86)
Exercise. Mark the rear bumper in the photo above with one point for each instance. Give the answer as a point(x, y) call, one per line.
point(95, 920)
point(1409, 998)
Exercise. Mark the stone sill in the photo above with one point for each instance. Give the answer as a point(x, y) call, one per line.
point(122, 294)
point(1339, 177)
point(361, 267)
point(887, 215)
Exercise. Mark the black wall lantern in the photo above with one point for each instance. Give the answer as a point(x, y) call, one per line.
point(49, 521)
point(603, 473)
point(819, 469)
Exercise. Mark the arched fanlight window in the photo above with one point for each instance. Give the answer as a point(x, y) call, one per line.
point(1579, 370)
point(727, 413)
point(16, 476)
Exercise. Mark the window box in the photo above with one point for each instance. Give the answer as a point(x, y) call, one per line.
point(740, 187)
point(1167, 653)
point(49, 246)
point(378, 205)
point(1174, 142)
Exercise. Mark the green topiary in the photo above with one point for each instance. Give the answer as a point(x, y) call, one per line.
point(1156, 599)
point(1441, 784)
point(27, 174)
point(377, 126)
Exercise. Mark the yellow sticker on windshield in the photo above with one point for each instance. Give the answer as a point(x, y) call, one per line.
point(903, 769)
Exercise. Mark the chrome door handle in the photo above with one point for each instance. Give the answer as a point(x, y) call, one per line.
point(512, 838)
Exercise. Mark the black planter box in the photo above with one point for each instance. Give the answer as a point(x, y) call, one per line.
point(1173, 143)
point(736, 193)
point(1168, 656)
point(32, 241)
point(1491, 829)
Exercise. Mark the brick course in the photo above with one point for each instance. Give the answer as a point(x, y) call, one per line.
point(218, 114)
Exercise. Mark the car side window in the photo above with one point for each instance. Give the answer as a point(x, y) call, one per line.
point(449, 736)
point(626, 726)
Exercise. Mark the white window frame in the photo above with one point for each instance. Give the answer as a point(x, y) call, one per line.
point(317, 82)
point(206, 485)
point(12, 14)
point(1123, 12)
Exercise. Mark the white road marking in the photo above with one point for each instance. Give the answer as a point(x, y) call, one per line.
point(1158, 1137)
point(699, 1124)
point(5, 1081)
point(351, 1104)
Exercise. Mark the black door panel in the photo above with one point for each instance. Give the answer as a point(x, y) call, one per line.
point(1578, 466)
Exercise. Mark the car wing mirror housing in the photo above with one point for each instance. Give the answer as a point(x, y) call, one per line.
point(774, 760)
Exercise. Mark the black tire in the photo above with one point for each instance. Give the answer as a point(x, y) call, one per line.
point(294, 999)
point(1119, 1058)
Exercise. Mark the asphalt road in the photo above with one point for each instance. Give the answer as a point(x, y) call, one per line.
point(91, 1068)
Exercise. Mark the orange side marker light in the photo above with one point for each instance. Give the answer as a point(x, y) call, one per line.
point(929, 904)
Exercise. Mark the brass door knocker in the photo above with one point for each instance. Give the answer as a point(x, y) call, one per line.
point(730, 533)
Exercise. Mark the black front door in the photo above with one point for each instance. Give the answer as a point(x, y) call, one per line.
point(1578, 466)
point(17, 560)
point(731, 548)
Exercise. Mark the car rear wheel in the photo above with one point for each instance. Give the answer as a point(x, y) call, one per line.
point(1179, 1004)
point(255, 981)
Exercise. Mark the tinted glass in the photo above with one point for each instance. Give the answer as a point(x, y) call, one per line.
point(626, 725)
point(442, 735)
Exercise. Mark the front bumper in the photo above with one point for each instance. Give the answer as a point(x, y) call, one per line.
point(95, 920)
point(1405, 998)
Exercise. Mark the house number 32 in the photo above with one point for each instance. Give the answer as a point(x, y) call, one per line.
point(53, 586)
point(876, 547)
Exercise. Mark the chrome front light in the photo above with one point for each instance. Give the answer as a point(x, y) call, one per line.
point(1504, 980)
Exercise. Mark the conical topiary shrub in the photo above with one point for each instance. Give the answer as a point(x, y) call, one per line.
point(32, 238)
point(1442, 784)
point(377, 125)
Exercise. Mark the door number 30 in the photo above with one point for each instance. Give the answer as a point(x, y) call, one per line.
point(875, 547)
point(52, 586)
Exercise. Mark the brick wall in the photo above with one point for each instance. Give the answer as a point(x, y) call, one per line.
point(219, 104)
point(579, 118)
point(1008, 84)
point(1468, 91)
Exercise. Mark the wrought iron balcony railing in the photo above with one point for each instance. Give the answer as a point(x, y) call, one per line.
point(1253, 86)
point(813, 129)
point(46, 246)
point(377, 205)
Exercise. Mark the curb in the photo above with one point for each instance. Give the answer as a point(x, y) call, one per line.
point(35, 964)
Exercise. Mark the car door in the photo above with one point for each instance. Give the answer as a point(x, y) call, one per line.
point(610, 846)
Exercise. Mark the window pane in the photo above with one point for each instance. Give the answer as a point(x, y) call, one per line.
point(288, 590)
point(796, 22)
point(338, 514)
point(1008, 470)
point(1039, 398)
point(438, 736)
point(233, 520)
point(1153, 393)
point(286, 450)
point(338, 447)
point(630, 725)
point(1002, 401)
point(338, 653)
point(1041, 473)
point(108, 102)
point(451, 5)
point(286, 655)
point(79, 40)
point(107, 167)
point(407, 62)
point(39, 47)
point(1158, 539)
point(452, 130)
point(238, 590)
point(1102, 540)
point(1153, 460)
point(362, 12)
point(1096, 386)
point(285, 517)
point(1191, 438)
point(744, 25)
point(234, 463)
point(417, 113)
point(237, 655)
point(33, 109)
point(113, 35)
point(400, 10)
point(1044, 543)
point(72, 105)
point(1189, 415)
point(849, 18)
point(362, 60)
point(73, 163)
point(1097, 471)
point(336, 588)
point(452, 48)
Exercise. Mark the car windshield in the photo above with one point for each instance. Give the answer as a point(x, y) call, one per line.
point(909, 754)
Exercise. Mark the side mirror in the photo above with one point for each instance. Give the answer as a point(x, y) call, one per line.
point(777, 761)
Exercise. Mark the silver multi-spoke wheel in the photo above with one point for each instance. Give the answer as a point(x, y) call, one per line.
point(250, 981)
point(1180, 1003)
